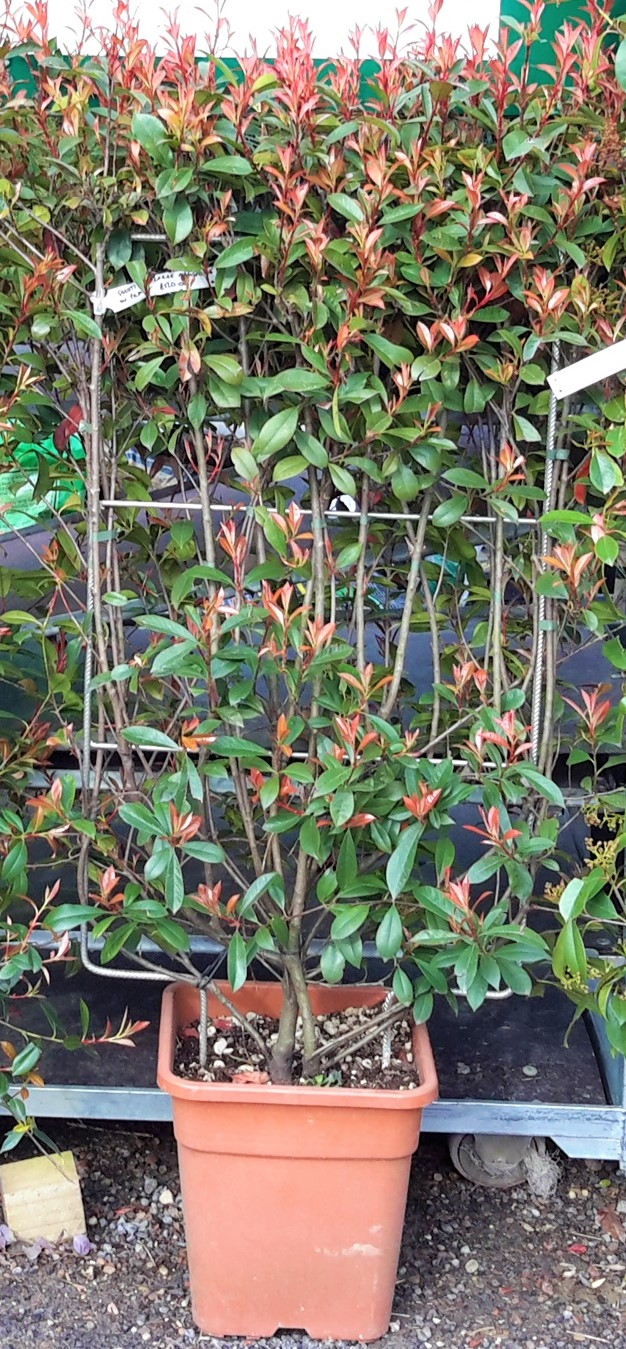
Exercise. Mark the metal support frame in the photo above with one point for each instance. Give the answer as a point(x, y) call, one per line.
point(580, 1130)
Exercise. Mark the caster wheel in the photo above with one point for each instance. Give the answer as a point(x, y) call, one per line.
point(493, 1160)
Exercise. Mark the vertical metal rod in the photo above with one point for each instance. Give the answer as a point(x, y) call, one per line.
point(544, 543)
point(203, 1027)
point(385, 1058)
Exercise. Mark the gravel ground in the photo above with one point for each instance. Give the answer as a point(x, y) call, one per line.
point(480, 1269)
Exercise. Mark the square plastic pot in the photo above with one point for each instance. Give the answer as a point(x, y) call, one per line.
point(293, 1196)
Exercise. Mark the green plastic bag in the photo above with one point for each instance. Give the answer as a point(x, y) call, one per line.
point(18, 482)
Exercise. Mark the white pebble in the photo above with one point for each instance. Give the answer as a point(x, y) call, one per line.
point(220, 1046)
point(166, 1197)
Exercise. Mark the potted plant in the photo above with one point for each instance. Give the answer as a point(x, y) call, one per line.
point(303, 324)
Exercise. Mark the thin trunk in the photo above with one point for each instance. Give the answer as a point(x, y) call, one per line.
point(359, 597)
point(405, 625)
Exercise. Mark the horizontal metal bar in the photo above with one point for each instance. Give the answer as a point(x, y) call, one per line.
point(298, 754)
point(574, 1123)
point(581, 1131)
point(220, 509)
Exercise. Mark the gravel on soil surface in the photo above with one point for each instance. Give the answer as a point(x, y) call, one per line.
point(233, 1056)
point(480, 1269)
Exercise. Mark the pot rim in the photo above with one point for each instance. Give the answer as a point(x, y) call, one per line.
point(270, 1093)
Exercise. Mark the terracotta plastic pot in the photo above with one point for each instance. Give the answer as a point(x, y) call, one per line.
point(293, 1197)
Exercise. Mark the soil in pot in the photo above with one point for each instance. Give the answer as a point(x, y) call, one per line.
point(233, 1056)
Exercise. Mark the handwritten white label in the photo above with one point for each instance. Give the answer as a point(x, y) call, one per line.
point(163, 283)
point(580, 375)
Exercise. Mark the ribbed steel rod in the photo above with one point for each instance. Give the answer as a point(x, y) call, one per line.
point(544, 543)
point(220, 509)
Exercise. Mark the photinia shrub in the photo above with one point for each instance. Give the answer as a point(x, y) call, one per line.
point(302, 322)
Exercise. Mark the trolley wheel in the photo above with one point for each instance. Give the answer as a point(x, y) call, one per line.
point(493, 1160)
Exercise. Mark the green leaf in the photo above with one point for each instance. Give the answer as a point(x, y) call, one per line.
point(533, 374)
point(346, 206)
point(146, 372)
point(572, 901)
point(342, 808)
point(173, 180)
point(607, 550)
point(12, 1140)
point(476, 397)
point(224, 366)
point(40, 327)
point(484, 867)
point(151, 134)
point(348, 557)
point(237, 963)
point(228, 166)
point(138, 817)
point(290, 467)
point(120, 248)
point(604, 473)
point(83, 323)
point(343, 481)
point(450, 512)
point(423, 1008)
point(26, 1060)
point(524, 429)
point(515, 978)
point(405, 484)
point(269, 791)
point(569, 956)
point(173, 883)
point(400, 864)
point(205, 852)
point(332, 964)
point(173, 659)
point(403, 988)
point(348, 918)
point(615, 653)
point(145, 736)
point(299, 381)
point(445, 853)
point(620, 64)
point(244, 464)
point(389, 936)
point(177, 219)
point(545, 786)
point(465, 477)
point(235, 254)
point(184, 584)
point(258, 887)
point(565, 518)
point(346, 861)
point(238, 746)
point(196, 411)
point(275, 434)
point(68, 916)
point(389, 353)
point(310, 838)
point(159, 623)
point(426, 367)
point(171, 934)
point(314, 452)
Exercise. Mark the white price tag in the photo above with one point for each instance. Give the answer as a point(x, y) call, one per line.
point(580, 375)
point(163, 283)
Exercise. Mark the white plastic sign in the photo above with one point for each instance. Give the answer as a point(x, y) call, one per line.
point(163, 283)
point(601, 365)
